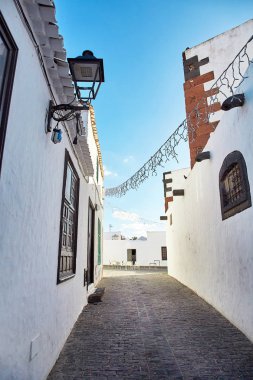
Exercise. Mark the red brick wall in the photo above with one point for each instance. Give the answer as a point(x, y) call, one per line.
point(199, 128)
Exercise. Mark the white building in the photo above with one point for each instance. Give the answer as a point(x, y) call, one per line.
point(209, 233)
point(152, 251)
point(113, 235)
point(51, 209)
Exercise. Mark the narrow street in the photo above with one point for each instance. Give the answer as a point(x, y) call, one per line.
point(149, 326)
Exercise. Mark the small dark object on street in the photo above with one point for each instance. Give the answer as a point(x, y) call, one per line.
point(96, 296)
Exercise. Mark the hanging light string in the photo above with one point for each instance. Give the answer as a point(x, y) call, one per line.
point(222, 88)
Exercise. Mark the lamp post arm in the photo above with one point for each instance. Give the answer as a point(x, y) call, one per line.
point(69, 107)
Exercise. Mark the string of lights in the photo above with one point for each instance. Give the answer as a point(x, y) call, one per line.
point(223, 87)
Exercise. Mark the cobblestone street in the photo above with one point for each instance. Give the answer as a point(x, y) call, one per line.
point(149, 326)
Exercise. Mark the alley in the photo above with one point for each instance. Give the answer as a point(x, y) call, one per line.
point(149, 326)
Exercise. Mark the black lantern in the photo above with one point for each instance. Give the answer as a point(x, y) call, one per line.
point(89, 69)
point(85, 68)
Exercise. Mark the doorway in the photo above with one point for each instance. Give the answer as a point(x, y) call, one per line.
point(131, 255)
point(90, 255)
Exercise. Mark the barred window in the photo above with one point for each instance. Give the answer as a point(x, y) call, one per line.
point(164, 253)
point(234, 185)
point(69, 216)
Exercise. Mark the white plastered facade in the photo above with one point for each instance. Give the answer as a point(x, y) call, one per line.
point(36, 314)
point(148, 252)
point(214, 257)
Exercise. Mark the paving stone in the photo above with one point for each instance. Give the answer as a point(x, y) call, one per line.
point(149, 326)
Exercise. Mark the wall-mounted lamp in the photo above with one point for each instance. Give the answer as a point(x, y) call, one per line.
point(89, 69)
point(85, 68)
point(233, 101)
point(203, 156)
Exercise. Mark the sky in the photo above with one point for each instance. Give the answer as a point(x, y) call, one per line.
point(141, 102)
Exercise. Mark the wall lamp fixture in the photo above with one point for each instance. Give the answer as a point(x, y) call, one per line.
point(84, 68)
point(233, 101)
point(89, 69)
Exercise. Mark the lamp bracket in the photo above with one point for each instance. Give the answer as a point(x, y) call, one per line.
point(69, 107)
point(73, 109)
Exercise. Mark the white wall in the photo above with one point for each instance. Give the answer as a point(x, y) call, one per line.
point(177, 178)
point(211, 256)
point(31, 303)
point(112, 235)
point(221, 51)
point(146, 250)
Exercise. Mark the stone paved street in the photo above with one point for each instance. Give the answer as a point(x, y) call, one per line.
point(149, 326)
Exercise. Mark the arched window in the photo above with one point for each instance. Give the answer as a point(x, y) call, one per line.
point(234, 185)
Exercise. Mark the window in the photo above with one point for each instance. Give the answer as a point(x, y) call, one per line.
point(234, 185)
point(8, 58)
point(68, 225)
point(99, 242)
point(164, 253)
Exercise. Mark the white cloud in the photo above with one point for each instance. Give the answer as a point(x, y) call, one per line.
point(128, 159)
point(138, 229)
point(109, 173)
point(125, 215)
point(137, 226)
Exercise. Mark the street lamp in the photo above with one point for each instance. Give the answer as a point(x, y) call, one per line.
point(89, 69)
point(84, 68)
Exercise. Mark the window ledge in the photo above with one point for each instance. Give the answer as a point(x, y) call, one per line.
point(65, 278)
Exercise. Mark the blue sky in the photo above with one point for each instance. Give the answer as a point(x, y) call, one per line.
point(141, 102)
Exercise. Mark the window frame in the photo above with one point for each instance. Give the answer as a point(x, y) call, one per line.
point(231, 160)
point(164, 253)
point(68, 162)
point(7, 85)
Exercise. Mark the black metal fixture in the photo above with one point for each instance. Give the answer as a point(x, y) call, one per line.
point(203, 156)
point(55, 112)
point(79, 127)
point(89, 69)
point(85, 68)
point(233, 101)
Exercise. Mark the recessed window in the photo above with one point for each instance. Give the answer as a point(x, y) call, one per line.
point(234, 185)
point(68, 226)
point(164, 253)
point(8, 58)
